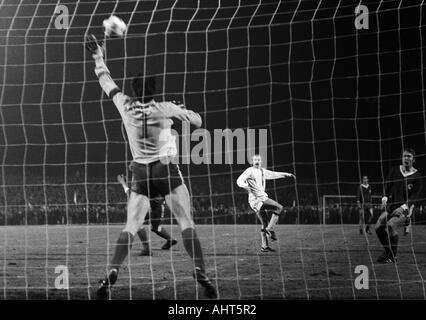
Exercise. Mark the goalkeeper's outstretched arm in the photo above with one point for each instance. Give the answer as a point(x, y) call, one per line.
point(102, 72)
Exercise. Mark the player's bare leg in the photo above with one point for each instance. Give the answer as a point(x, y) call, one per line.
point(276, 209)
point(179, 203)
point(137, 208)
point(143, 236)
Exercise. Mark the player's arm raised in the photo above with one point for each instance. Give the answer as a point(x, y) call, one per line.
point(171, 110)
point(270, 175)
point(102, 72)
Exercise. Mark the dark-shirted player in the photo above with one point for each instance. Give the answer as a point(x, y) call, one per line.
point(154, 216)
point(148, 126)
point(365, 206)
point(402, 194)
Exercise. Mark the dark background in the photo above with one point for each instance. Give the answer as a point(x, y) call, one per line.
point(338, 102)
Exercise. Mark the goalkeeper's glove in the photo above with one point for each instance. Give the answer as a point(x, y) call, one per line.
point(93, 46)
point(384, 200)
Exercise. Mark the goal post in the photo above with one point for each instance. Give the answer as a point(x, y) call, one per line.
point(340, 202)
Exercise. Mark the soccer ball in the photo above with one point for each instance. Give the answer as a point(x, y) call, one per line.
point(114, 26)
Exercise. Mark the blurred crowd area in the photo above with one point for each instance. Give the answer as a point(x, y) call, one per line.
point(214, 201)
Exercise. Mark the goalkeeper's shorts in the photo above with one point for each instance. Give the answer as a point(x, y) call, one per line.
point(155, 179)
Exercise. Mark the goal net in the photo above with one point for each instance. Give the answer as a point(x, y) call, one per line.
point(331, 94)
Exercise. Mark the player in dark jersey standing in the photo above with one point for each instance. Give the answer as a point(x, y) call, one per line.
point(153, 146)
point(402, 193)
point(365, 207)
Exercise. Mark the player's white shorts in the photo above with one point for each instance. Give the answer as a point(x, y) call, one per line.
point(257, 203)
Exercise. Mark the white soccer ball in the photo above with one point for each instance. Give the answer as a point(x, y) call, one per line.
point(114, 26)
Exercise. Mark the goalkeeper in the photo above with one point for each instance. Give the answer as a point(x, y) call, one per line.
point(155, 215)
point(402, 192)
point(148, 126)
point(253, 179)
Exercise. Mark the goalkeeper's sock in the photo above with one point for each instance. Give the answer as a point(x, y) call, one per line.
point(122, 249)
point(394, 239)
point(163, 233)
point(144, 238)
point(193, 247)
point(273, 221)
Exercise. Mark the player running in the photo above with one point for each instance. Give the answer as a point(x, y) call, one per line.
point(155, 215)
point(253, 179)
point(402, 192)
point(363, 199)
point(148, 126)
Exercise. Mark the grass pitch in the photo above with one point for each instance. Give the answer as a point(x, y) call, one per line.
point(311, 262)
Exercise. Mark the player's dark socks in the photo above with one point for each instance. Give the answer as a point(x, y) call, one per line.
point(394, 239)
point(193, 247)
point(162, 233)
point(122, 249)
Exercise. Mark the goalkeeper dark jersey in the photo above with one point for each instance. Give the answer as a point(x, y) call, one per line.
point(364, 195)
point(403, 187)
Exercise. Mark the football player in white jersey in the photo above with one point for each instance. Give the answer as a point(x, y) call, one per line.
point(148, 127)
point(253, 179)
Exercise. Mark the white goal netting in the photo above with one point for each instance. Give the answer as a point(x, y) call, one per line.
point(336, 103)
